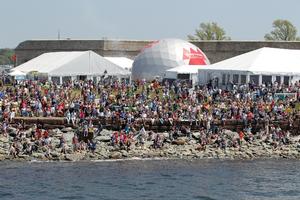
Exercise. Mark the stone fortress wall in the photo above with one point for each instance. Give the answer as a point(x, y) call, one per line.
point(215, 50)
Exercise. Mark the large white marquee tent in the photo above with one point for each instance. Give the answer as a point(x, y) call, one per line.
point(264, 65)
point(72, 65)
point(123, 62)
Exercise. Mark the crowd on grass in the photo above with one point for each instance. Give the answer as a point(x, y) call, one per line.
point(82, 101)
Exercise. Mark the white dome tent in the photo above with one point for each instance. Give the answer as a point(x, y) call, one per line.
point(158, 57)
point(72, 65)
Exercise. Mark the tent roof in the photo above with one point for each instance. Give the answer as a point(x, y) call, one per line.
point(123, 62)
point(186, 69)
point(71, 63)
point(15, 72)
point(262, 61)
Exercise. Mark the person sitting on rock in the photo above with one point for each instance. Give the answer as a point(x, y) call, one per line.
point(38, 134)
point(4, 128)
point(12, 151)
point(85, 130)
point(92, 146)
point(123, 139)
point(82, 146)
point(48, 152)
point(157, 142)
point(68, 117)
point(75, 143)
point(73, 118)
point(115, 138)
point(62, 142)
point(171, 134)
point(64, 148)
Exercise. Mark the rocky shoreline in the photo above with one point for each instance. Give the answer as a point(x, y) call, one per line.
point(181, 148)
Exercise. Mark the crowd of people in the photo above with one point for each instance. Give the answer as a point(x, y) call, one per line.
point(82, 101)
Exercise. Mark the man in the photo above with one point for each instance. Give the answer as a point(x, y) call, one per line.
point(241, 137)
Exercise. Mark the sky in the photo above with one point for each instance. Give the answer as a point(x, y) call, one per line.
point(138, 19)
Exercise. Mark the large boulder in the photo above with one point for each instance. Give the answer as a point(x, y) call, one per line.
point(105, 132)
point(179, 142)
point(115, 155)
point(103, 138)
point(74, 157)
point(196, 135)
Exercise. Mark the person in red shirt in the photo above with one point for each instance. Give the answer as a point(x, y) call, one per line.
point(46, 134)
point(123, 139)
point(241, 137)
point(115, 138)
point(38, 134)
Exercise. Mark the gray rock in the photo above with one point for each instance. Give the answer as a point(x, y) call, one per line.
point(106, 132)
point(2, 152)
point(165, 134)
point(179, 142)
point(4, 139)
point(12, 130)
point(115, 155)
point(68, 137)
point(103, 138)
point(55, 154)
point(124, 153)
point(74, 157)
point(24, 156)
point(196, 135)
point(38, 155)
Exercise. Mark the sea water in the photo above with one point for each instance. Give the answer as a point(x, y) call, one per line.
point(151, 179)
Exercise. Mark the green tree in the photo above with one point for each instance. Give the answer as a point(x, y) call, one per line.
point(209, 31)
point(6, 56)
point(284, 30)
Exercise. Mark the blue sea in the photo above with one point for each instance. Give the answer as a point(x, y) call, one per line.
point(151, 179)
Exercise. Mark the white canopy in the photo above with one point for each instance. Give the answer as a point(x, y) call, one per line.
point(123, 62)
point(183, 69)
point(71, 64)
point(186, 69)
point(16, 72)
point(266, 61)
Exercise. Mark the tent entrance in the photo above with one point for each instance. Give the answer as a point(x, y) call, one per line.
point(82, 78)
point(183, 76)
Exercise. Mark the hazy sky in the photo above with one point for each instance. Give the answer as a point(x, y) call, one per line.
point(138, 19)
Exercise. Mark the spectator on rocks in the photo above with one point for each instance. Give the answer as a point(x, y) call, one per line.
point(92, 146)
point(75, 143)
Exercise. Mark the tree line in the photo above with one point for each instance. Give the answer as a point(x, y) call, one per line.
point(6, 56)
point(283, 30)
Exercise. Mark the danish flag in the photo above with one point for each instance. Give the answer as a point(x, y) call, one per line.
point(195, 57)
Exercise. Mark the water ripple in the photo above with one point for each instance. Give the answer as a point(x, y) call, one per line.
point(152, 179)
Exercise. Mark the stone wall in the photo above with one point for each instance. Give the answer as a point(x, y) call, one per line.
point(215, 50)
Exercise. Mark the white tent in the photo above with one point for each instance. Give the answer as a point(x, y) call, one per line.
point(186, 69)
point(190, 70)
point(18, 75)
point(261, 65)
point(16, 72)
point(123, 62)
point(70, 64)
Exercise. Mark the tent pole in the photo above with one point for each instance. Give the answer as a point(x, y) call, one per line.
point(248, 78)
